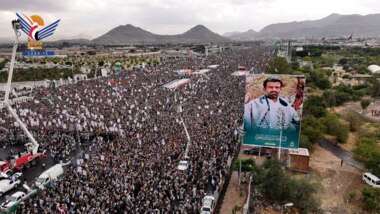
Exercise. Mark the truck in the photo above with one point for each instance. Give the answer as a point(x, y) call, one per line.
point(31, 154)
point(21, 160)
point(12, 202)
point(50, 174)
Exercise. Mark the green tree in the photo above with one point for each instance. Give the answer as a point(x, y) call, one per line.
point(364, 103)
point(272, 185)
point(375, 88)
point(258, 173)
point(278, 65)
point(295, 65)
point(277, 187)
point(312, 128)
point(314, 105)
point(303, 195)
point(335, 127)
point(343, 61)
point(329, 97)
point(342, 97)
point(306, 143)
point(371, 198)
point(2, 64)
point(373, 163)
point(246, 164)
point(355, 121)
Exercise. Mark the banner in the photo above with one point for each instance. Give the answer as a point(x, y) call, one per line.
point(273, 110)
point(38, 53)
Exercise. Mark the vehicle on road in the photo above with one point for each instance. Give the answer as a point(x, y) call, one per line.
point(183, 165)
point(13, 201)
point(10, 183)
point(20, 161)
point(208, 204)
point(371, 180)
point(6, 174)
point(47, 176)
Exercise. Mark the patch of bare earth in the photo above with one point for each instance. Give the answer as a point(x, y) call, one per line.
point(340, 186)
point(351, 141)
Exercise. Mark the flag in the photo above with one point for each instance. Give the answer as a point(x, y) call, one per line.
point(45, 100)
point(52, 86)
point(350, 37)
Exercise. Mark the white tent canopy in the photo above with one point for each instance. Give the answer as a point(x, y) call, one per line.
point(374, 68)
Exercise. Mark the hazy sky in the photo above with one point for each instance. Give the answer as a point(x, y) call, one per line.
point(96, 17)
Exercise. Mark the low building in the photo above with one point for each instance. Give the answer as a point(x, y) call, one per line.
point(80, 77)
point(299, 160)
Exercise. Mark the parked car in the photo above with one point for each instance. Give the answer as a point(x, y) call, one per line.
point(252, 151)
point(183, 165)
point(6, 174)
point(13, 200)
point(45, 178)
point(10, 183)
point(208, 204)
point(371, 180)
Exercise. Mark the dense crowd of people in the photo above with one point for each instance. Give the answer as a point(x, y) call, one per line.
point(132, 125)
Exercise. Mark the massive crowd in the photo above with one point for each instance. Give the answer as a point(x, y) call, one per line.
point(132, 126)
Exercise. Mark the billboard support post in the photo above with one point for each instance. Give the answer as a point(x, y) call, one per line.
point(239, 174)
point(279, 146)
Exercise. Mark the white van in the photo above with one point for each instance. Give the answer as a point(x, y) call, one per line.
point(54, 172)
point(371, 180)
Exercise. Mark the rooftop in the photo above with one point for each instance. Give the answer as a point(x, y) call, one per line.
point(299, 151)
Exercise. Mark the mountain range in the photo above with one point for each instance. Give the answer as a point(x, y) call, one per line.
point(129, 34)
point(334, 25)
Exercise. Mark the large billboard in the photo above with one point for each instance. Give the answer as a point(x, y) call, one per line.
point(273, 110)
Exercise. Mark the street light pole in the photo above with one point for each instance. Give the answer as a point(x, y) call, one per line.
point(242, 139)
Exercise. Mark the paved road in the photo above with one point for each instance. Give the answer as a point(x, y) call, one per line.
point(346, 156)
point(33, 172)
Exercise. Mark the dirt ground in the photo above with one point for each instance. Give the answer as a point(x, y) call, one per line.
point(339, 186)
point(355, 106)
